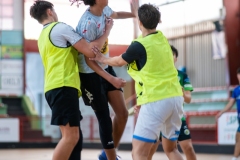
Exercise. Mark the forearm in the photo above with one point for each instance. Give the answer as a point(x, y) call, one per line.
point(99, 70)
point(113, 61)
point(123, 15)
point(100, 41)
point(226, 109)
point(187, 96)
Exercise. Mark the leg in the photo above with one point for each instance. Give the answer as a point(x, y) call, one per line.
point(66, 114)
point(70, 137)
point(170, 149)
point(147, 131)
point(105, 129)
point(171, 129)
point(153, 150)
point(141, 149)
point(121, 114)
point(76, 153)
point(237, 145)
point(188, 150)
point(185, 141)
point(94, 94)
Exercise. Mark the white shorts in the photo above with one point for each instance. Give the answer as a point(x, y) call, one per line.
point(161, 116)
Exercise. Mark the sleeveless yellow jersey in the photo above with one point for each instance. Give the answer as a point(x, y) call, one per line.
point(158, 78)
point(60, 64)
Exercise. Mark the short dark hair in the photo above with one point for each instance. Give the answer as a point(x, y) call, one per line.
point(174, 50)
point(149, 16)
point(39, 8)
point(238, 70)
point(89, 2)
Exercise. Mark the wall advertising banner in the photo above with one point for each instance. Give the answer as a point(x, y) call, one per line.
point(227, 128)
point(11, 66)
point(11, 81)
point(9, 130)
point(12, 52)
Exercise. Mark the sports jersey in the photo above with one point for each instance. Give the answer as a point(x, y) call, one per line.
point(185, 81)
point(92, 27)
point(236, 96)
point(60, 63)
point(157, 79)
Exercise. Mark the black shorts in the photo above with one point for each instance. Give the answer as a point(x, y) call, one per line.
point(184, 132)
point(64, 103)
point(95, 89)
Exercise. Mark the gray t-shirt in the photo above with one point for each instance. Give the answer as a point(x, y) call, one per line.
point(63, 35)
point(91, 27)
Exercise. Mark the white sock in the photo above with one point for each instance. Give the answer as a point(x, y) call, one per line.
point(234, 158)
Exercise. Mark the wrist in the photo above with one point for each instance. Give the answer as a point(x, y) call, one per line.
point(111, 78)
point(107, 32)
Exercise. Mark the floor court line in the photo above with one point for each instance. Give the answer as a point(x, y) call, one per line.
point(88, 154)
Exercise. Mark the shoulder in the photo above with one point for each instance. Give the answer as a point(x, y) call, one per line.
point(62, 27)
point(136, 48)
point(107, 11)
point(86, 18)
point(181, 73)
point(107, 8)
point(136, 45)
point(236, 89)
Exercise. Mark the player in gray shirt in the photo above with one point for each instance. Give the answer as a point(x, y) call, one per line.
point(99, 90)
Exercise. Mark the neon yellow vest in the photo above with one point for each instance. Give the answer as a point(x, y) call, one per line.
point(60, 64)
point(158, 78)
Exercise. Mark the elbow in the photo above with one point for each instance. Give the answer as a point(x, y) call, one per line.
point(119, 65)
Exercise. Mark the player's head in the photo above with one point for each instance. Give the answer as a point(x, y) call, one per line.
point(175, 53)
point(238, 74)
point(43, 10)
point(102, 3)
point(149, 16)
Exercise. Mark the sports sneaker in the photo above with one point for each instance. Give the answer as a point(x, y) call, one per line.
point(103, 156)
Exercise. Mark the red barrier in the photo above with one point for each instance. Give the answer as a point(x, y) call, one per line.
point(202, 132)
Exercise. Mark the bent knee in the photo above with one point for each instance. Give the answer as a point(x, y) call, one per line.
point(72, 135)
point(122, 114)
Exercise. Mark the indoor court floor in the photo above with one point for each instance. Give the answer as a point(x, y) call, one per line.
point(87, 154)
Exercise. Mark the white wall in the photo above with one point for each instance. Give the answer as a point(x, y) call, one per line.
point(187, 12)
point(122, 31)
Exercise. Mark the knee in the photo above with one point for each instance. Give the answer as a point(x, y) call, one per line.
point(72, 137)
point(187, 148)
point(123, 114)
point(169, 149)
point(141, 152)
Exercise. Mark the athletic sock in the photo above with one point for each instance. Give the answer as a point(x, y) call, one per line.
point(234, 158)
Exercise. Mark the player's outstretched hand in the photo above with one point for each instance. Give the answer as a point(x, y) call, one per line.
point(78, 2)
point(99, 56)
point(109, 24)
point(218, 115)
point(118, 82)
point(137, 109)
point(134, 7)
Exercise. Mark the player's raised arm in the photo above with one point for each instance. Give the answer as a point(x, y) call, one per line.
point(123, 15)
